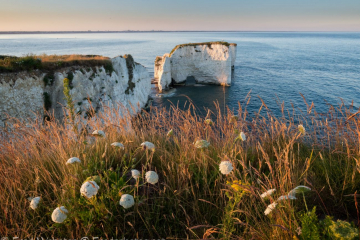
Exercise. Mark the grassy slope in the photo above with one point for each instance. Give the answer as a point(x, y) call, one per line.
point(192, 198)
point(51, 62)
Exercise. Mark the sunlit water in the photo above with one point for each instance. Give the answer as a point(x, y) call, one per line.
point(324, 67)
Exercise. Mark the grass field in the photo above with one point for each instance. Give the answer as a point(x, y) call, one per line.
point(192, 198)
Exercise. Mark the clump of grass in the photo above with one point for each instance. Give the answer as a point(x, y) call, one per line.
point(14, 64)
point(192, 198)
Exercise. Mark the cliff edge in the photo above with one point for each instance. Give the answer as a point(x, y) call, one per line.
point(22, 94)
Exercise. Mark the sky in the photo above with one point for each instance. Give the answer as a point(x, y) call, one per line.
point(179, 15)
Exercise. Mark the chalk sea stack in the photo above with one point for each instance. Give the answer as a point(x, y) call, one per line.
point(207, 62)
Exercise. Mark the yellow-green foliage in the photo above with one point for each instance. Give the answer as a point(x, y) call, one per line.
point(192, 198)
point(341, 230)
point(309, 226)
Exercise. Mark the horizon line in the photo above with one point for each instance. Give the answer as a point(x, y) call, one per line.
point(160, 31)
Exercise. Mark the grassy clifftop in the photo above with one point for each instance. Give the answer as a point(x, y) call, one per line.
point(208, 190)
point(51, 62)
point(202, 43)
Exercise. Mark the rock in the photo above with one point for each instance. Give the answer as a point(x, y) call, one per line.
point(22, 95)
point(209, 63)
point(163, 72)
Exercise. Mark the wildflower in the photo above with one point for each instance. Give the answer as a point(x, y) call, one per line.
point(270, 208)
point(73, 160)
point(89, 189)
point(126, 201)
point(59, 214)
point(98, 133)
point(170, 133)
point(148, 146)
point(286, 197)
point(268, 193)
point(242, 136)
point(225, 167)
point(151, 177)
point(135, 173)
point(209, 122)
point(237, 185)
point(118, 145)
point(201, 144)
point(299, 189)
point(34, 202)
point(301, 129)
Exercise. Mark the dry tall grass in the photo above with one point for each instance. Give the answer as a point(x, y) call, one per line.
point(192, 198)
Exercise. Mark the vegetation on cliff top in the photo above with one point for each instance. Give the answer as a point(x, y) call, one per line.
point(203, 43)
point(51, 62)
point(130, 64)
point(192, 198)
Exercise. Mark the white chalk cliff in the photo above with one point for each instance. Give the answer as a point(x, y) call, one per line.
point(209, 63)
point(23, 95)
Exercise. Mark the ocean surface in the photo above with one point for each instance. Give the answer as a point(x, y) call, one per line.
point(276, 66)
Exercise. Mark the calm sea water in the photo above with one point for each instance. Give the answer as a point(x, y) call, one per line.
point(276, 66)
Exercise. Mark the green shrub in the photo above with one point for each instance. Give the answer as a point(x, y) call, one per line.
point(47, 101)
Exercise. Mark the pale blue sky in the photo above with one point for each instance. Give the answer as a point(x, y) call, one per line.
point(235, 15)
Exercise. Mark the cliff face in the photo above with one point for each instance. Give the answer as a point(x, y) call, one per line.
point(23, 94)
point(20, 95)
point(209, 63)
point(163, 72)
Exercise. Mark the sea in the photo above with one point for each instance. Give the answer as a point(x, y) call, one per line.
point(273, 68)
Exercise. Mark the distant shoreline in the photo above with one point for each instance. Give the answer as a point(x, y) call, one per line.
point(158, 31)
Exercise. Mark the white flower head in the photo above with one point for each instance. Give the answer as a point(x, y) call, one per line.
point(286, 197)
point(268, 193)
point(89, 189)
point(208, 121)
point(225, 167)
point(59, 214)
point(34, 202)
point(118, 145)
point(170, 133)
point(135, 173)
point(126, 201)
point(299, 189)
point(301, 129)
point(242, 136)
point(73, 160)
point(148, 146)
point(201, 144)
point(98, 133)
point(151, 177)
point(270, 208)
